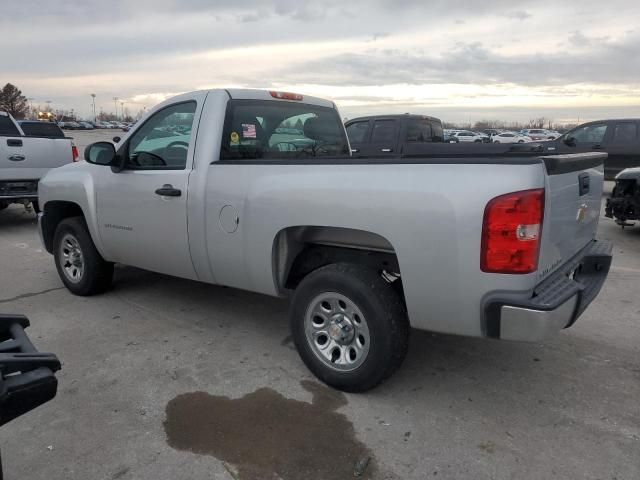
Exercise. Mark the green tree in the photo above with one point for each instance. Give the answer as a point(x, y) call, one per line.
point(12, 101)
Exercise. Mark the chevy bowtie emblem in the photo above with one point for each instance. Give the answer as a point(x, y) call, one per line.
point(582, 212)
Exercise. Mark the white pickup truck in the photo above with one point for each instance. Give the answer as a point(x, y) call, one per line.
point(258, 190)
point(25, 158)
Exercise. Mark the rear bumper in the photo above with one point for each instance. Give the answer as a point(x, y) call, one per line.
point(18, 189)
point(556, 303)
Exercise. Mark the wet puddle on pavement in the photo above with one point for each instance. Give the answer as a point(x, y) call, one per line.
point(264, 435)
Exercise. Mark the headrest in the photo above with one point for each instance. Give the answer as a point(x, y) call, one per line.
point(318, 129)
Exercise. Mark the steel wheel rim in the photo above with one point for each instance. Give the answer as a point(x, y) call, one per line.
point(337, 332)
point(71, 258)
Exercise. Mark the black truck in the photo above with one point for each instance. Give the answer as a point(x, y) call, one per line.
point(27, 377)
point(384, 135)
point(620, 139)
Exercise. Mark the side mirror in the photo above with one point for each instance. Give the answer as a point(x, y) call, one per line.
point(570, 141)
point(116, 139)
point(100, 153)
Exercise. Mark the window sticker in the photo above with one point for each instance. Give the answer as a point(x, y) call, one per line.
point(249, 130)
point(235, 138)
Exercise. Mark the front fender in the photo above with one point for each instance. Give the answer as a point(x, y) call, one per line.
point(74, 183)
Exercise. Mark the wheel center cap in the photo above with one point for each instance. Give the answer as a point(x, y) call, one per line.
point(341, 329)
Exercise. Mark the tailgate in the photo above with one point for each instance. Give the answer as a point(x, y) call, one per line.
point(573, 200)
point(35, 153)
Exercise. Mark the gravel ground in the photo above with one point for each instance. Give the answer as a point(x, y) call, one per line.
point(160, 375)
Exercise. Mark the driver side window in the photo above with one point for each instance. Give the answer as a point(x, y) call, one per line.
point(162, 143)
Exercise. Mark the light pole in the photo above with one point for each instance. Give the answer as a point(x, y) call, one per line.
point(93, 100)
point(122, 110)
point(115, 104)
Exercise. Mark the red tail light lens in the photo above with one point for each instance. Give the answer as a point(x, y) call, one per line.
point(74, 152)
point(511, 232)
point(286, 96)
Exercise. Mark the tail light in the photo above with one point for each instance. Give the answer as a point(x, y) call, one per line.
point(74, 152)
point(511, 232)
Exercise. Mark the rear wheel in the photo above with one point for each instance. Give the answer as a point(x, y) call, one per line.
point(80, 266)
point(350, 326)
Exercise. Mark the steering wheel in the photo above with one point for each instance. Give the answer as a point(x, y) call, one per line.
point(177, 143)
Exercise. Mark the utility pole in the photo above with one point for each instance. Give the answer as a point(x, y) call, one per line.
point(122, 110)
point(93, 98)
point(30, 100)
point(115, 104)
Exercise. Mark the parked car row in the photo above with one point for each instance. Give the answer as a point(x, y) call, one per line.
point(89, 125)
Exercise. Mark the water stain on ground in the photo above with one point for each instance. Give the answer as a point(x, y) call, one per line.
point(267, 436)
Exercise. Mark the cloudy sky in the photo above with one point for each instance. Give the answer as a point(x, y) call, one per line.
point(460, 60)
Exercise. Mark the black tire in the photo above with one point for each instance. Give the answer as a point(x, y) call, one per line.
point(385, 316)
point(97, 273)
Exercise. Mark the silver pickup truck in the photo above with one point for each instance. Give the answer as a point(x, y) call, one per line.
point(258, 190)
point(25, 157)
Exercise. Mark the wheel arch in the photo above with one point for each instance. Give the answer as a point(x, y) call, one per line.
point(299, 250)
point(55, 211)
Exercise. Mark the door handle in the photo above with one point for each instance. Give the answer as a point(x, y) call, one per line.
point(14, 142)
point(354, 150)
point(17, 158)
point(167, 190)
point(386, 150)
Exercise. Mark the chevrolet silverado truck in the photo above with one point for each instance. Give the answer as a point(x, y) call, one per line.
point(26, 155)
point(258, 190)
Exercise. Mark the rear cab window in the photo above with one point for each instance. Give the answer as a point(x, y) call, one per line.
point(7, 127)
point(41, 129)
point(270, 129)
point(423, 130)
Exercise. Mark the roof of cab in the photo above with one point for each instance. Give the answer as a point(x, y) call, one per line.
point(255, 94)
point(393, 117)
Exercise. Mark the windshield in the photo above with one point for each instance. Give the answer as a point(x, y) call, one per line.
point(255, 129)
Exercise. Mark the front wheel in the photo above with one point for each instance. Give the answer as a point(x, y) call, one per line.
point(350, 326)
point(80, 266)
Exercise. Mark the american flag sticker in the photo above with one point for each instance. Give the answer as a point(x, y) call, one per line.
point(248, 130)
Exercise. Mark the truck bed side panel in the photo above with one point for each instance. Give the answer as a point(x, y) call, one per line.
point(431, 214)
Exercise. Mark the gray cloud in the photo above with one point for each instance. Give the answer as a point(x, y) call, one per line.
point(146, 41)
point(465, 63)
point(518, 15)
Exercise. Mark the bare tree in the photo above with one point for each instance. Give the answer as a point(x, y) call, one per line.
point(12, 101)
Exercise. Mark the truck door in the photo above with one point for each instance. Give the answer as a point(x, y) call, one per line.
point(142, 210)
point(586, 138)
point(623, 147)
point(384, 138)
